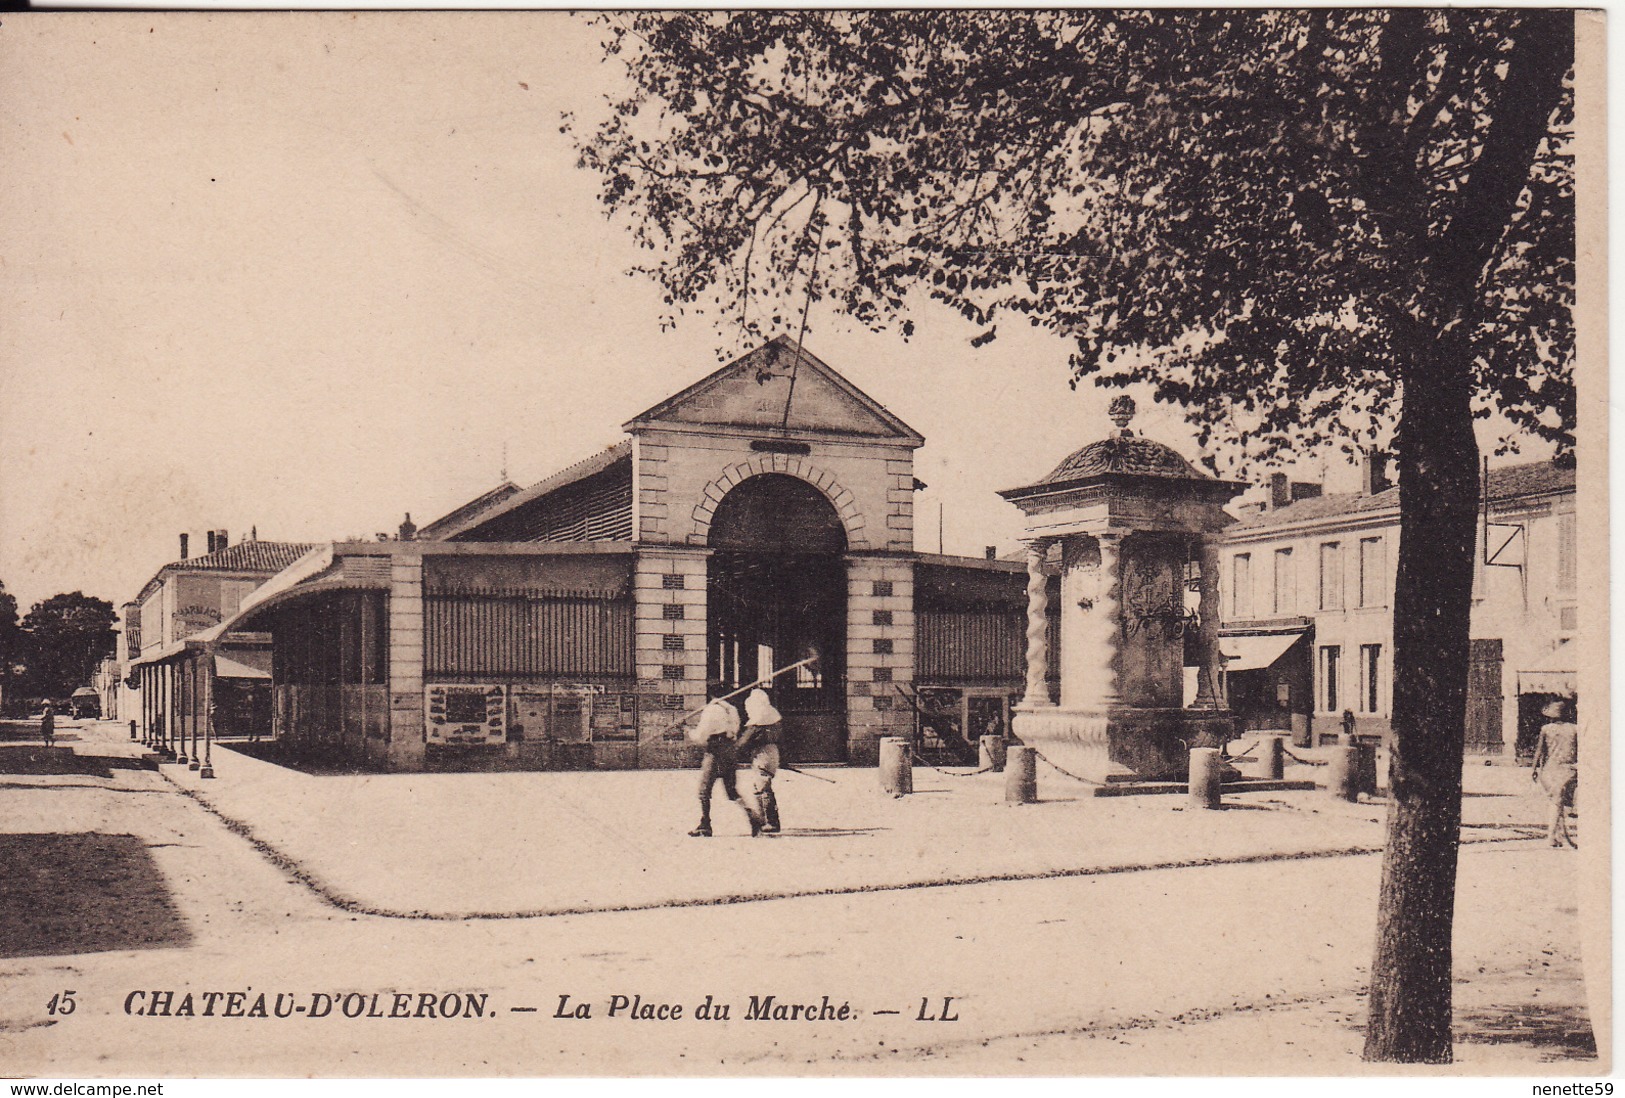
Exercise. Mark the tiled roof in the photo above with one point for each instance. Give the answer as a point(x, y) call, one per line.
point(1533, 479)
point(269, 557)
point(1508, 482)
point(247, 556)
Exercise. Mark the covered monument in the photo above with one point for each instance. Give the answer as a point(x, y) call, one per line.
point(1132, 527)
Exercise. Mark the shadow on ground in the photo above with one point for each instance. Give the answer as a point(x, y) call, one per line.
point(83, 892)
point(37, 759)
point(271, 751)
point(1559, 1031)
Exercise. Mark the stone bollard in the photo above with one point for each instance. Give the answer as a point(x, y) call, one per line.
point(1272, 761)
point(1020, 775)
point(1343, 772)
point(991, 755)
point(1206, 776)
point(896, 769)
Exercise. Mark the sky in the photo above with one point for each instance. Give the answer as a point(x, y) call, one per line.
point(307, 273)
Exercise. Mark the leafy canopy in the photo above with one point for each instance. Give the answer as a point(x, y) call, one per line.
point(1268, 217)
point(67, 636)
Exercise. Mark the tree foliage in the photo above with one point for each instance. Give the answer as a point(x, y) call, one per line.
point(67, 636)
point(1248, 212)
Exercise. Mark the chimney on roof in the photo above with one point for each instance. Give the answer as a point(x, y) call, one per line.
point(1302, 489)
point(253, 533)
point(220, 541)
point(1373, 472)
point(991, 552)
point(1280, 491)
point(183, 546)
point(409, 530)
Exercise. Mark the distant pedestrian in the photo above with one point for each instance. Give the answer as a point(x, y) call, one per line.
point(1557, 761)
point(760, 745)
point(47, 726)
point(717, 731)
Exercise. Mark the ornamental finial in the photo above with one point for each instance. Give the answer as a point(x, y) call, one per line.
point(1121, 410)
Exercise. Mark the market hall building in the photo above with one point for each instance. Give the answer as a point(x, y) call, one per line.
point(762, 517)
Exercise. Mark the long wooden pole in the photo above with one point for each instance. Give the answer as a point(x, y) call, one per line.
point(692, 713)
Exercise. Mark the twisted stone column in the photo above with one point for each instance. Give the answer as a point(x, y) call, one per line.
point(1037, 627)
point(1106, 619)
point(1209, 695)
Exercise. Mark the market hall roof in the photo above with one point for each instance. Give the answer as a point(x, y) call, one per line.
point(585, 469)
point(782, 389)
point(459, 516)
point(1509, 482)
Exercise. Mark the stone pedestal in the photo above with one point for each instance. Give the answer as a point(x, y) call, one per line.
point(1151, 744)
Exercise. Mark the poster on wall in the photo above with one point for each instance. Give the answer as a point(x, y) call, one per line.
point(465, 714)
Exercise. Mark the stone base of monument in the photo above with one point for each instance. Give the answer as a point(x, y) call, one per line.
point(1135, 752)
point(1122, 743)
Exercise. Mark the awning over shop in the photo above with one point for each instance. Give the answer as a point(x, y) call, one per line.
point(1554, 674)
point(227, 668)
point(1251, 652)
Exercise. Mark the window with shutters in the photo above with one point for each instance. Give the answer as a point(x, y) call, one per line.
point(1285, 602)
point(1241, 585)
point(1331, 576)
point(1370, 678)
point(1567, 553)
point(1373, 572)
point(1331, 658)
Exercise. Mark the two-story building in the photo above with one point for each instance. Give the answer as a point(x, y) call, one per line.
point(1308, 582)
point(177, 676)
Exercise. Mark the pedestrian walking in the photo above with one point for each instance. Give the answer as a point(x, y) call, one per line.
point(760, 744)
point(717, 731)
point(1557, 762)
point(47, 726)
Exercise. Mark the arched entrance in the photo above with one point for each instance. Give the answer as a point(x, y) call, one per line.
point(777, 594)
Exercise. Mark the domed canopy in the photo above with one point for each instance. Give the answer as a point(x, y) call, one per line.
point(1124, 454)
point(1124, 481)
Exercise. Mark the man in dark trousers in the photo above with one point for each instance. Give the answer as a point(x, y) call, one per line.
point(760, 746)
point(717, 730)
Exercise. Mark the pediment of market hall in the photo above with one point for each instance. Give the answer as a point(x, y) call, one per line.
point(776, 411)
point(779, 388)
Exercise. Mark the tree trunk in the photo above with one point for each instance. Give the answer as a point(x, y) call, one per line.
point(1410, 1005)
